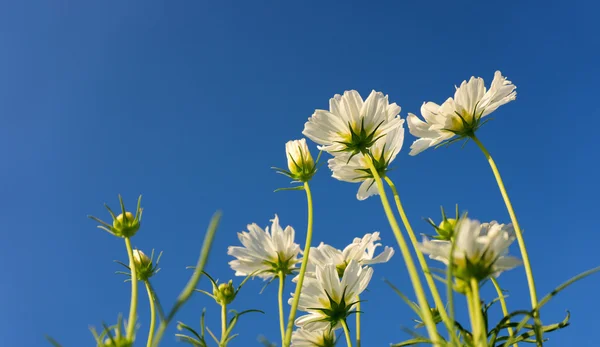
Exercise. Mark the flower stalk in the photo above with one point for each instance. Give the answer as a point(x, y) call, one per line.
point(309, 230)
point(347, 333)
point(515, 222)
point(504, 306)
point(134, 291)
point(412, 270)
point(358, 323)
point(281, 312)
point(437, 299)
point(152, 314)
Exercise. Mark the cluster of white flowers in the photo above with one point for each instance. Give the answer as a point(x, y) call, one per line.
point(334, 278)
point(364, 137)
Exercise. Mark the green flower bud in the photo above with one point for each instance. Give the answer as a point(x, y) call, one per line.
point(120, 341)
point(224, 293)
point(446, 229)
point(126, 225)
point(143, 265)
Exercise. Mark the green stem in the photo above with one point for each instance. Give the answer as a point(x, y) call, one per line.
point(281, 316)
point(223, 325)
point(347, 332)
point(480, 337)
point(503, 305)
point(515, 222)
point(471, 312)
point(309, 230)
point(152, 314)
point(410, 265)
point(358, 322)
point(134, 291)
point(423, 262)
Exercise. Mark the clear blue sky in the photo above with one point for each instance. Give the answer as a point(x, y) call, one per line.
point(190, 103)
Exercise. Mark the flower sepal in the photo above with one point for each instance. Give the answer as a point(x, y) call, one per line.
point(301, 166)
point(223, 293)
point(124, 225)
point(337, 312)
point(446, 229)
point(145, 266)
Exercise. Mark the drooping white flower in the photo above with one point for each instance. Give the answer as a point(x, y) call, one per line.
point(355, 168)
point(313, 338)
point(480, 250)
point(351, 124)
point(264, 252)
point(461, 115)
point(329, 299)
point(361, 250)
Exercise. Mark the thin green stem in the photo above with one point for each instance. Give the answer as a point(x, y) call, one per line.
point(134, 292)
point(358, 322)
point(281, 314)
point(410, 265)
point(309, 230)
point(515, 222)
point(472, 318)
point(347, 333)
point(480, 337)
point(503, 305)
point(423, 262)
point(152, 314)
point(223, 325)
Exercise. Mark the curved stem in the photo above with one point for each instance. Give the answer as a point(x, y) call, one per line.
point(480, 336)
point(423, 262)
point(515, 222)
point(347, 332)
point(309, 230)
point(358, 321)
point(152, 314)
point(223, 325)
point(410, 265)
point(503, 305)
point(134, 291)
point(281, 316)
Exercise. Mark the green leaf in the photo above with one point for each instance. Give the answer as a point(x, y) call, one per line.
point(53, 342)
point(190, 340)
point(212, 335)
point(290, 188)
point(411, 304)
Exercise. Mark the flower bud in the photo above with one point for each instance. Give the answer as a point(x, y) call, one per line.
point(143, 265)
point(224, 293)
point(126, 225)
point(300, 161)
point(446, 229)
point(120, 341)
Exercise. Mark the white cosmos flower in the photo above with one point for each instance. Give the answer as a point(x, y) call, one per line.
point(355, 168)
point(267, 253)
point(361, 250)
point(329, 299)
point(313, 338)
point(480, 250)
point(351, 124)
point(461, 115)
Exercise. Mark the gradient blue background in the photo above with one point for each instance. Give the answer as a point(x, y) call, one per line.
point(190, 103)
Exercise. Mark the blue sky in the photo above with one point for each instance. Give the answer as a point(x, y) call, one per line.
point(190, 104)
